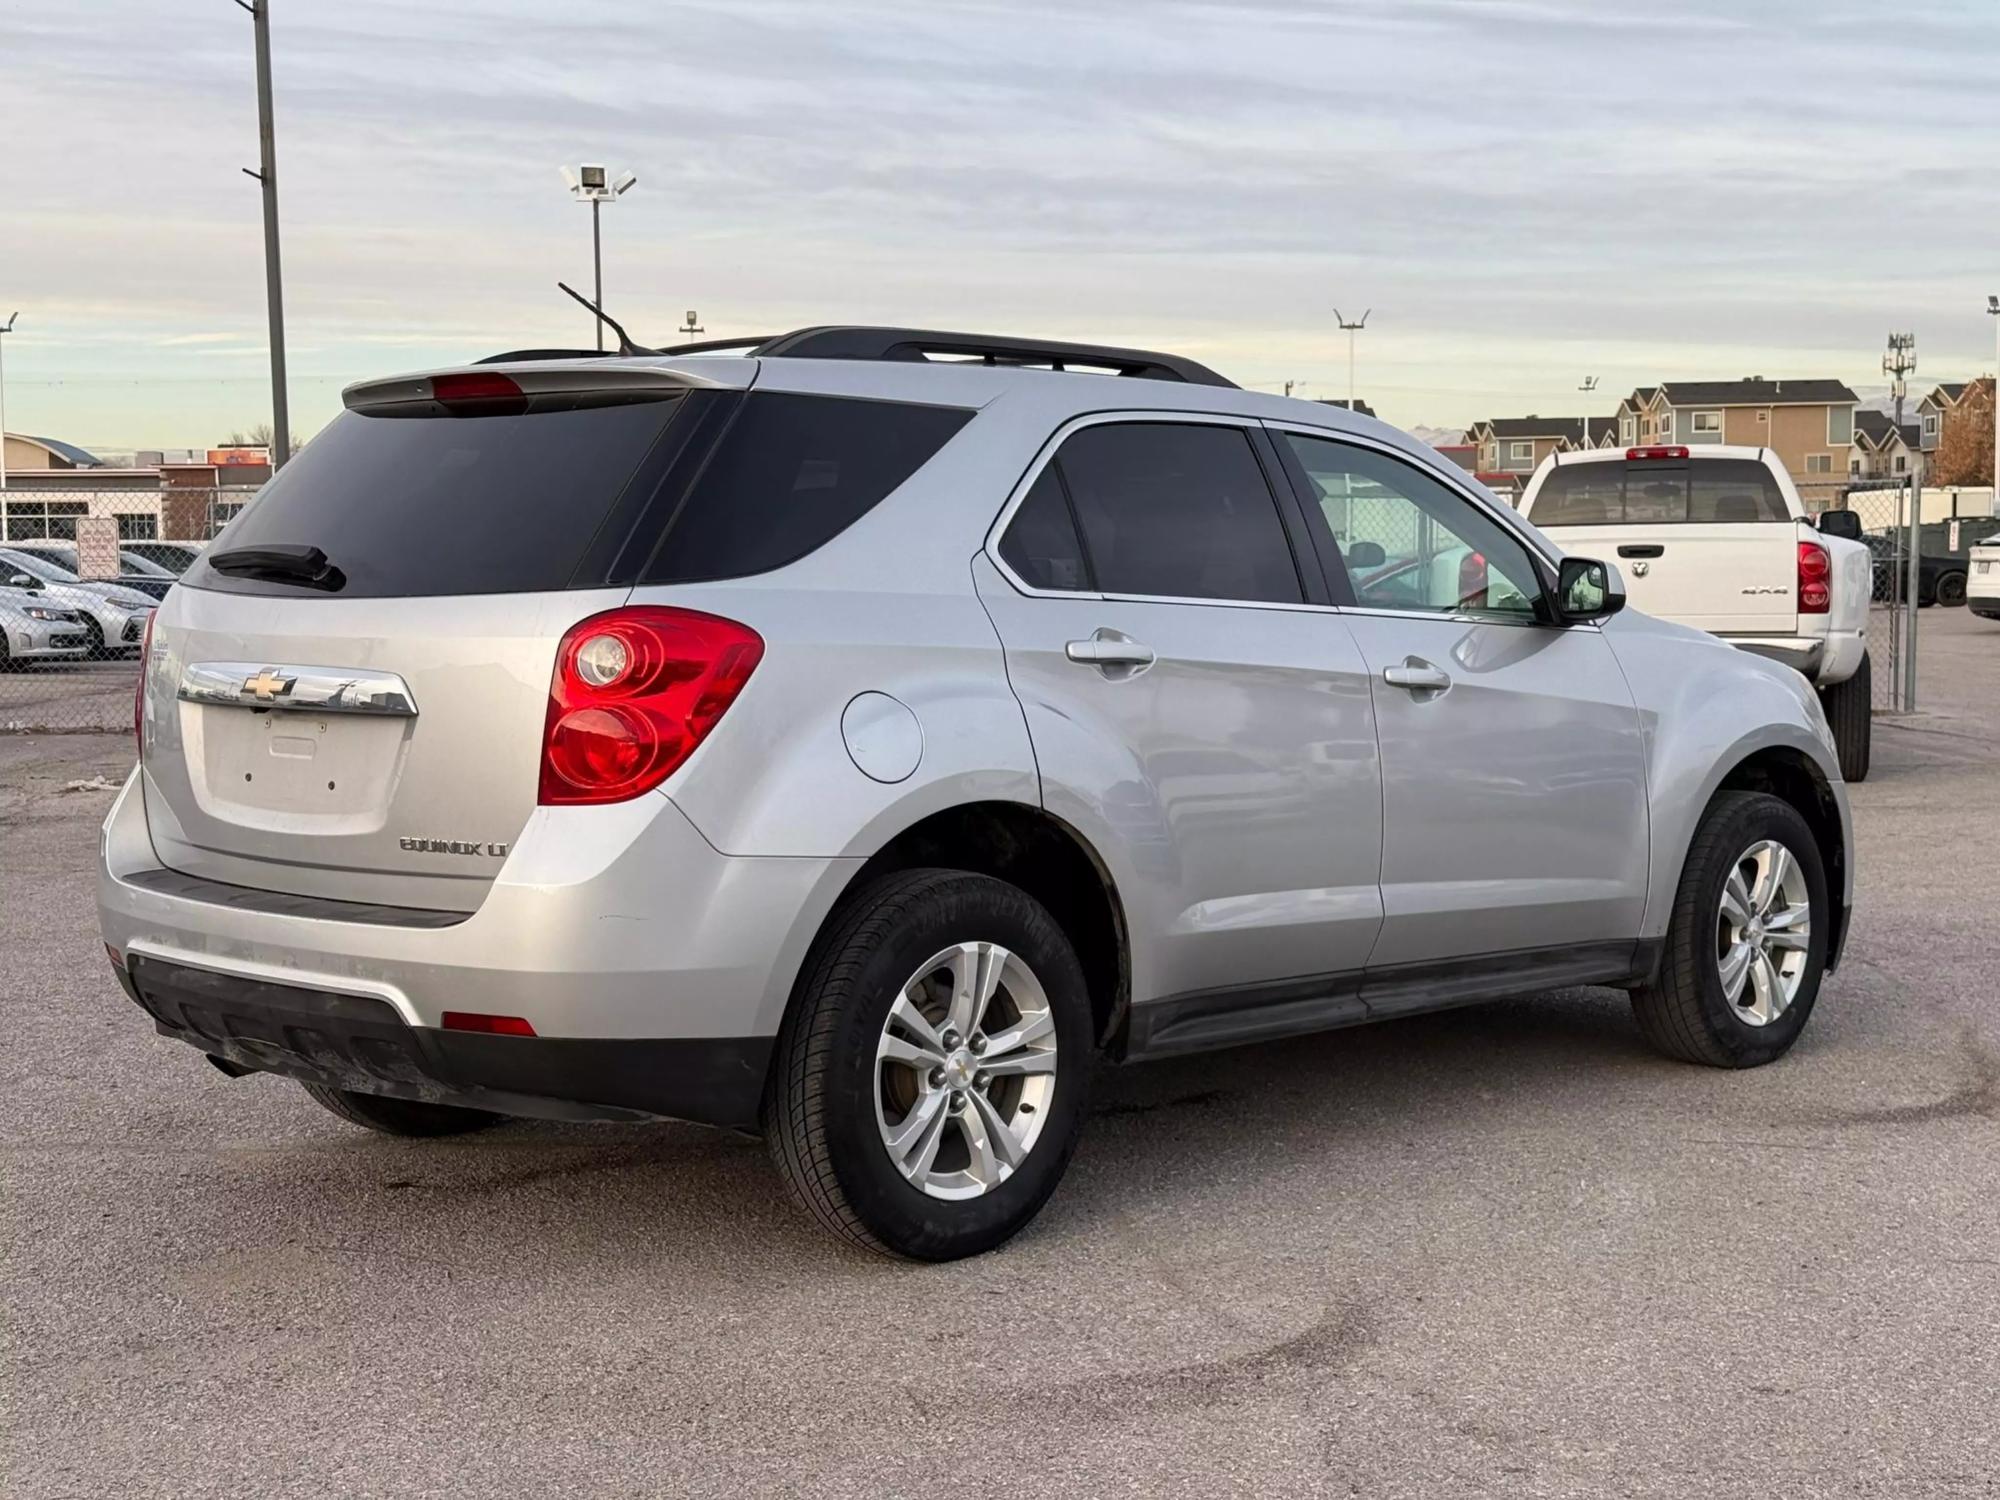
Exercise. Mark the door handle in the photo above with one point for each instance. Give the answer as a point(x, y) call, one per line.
point(1417, 675)
point(1641, 549)
point(1109, 649)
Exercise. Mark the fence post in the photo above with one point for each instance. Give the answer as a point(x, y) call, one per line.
point(1909, 641)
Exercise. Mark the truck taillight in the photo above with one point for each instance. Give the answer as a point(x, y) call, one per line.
point(634, 692)
point(1815, 575)
point(1655, 453)
point(139, 689)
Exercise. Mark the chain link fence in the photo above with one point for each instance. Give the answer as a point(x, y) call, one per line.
point(80, 575)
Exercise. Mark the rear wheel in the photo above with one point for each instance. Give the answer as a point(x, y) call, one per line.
point(404, 1117)
point(1850, 713)
point(94, 639)
point(929, 1083)
point(1747, 942)
point(1951, 590)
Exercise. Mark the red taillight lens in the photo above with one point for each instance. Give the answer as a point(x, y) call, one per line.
point(1472, 581)
point(472, 1020)
point(1815, 576)
point(139, 690)
point(1640, 453)
point(634, 692)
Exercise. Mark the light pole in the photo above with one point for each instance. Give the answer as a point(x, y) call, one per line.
point(274, 290)
point(692, 326)
point(3, 418)
point(1993, 308)
point(1589, 385)
point(1351, 329)
point(1899, 363)
point(593, 185)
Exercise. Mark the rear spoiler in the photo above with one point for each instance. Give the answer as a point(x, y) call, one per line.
point(547, 377)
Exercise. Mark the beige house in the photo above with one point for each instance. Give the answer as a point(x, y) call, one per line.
point(1882, 450)
point(1515, 445)
point(1809, 424)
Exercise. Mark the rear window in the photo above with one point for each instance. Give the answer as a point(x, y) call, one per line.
point(579, 495)
point(1655, 492)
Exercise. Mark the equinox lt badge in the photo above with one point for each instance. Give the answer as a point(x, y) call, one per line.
point(451, 846)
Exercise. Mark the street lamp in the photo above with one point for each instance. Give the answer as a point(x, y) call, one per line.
point(3, 416)
point(1351, 329)
point(594, 185)
point(1993, 307)
point(692, 326)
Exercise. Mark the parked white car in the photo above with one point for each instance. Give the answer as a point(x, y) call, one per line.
point(1982, 579)
point(31, 630)
point(114, 617)
point(1715, 537)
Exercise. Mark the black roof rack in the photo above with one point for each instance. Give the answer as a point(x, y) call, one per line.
point(921, 343)
point(918, 344)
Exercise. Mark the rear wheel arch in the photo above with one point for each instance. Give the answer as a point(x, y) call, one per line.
point(1034, 850)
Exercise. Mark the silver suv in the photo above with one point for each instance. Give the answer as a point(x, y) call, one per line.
point(862, 736)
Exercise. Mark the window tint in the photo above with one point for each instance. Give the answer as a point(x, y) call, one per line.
point(420, 505)
point(1653, 492)
point(1409, 541)
point(1178, 512)
point(1041, 542)
point(792, 473)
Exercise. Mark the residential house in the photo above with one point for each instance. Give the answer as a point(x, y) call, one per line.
point(1355, 406)
point(1808, 424)
point(1931, 411)
point(1882, 450)
point(1465, 455)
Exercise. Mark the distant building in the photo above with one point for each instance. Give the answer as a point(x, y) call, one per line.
point(39, 454)
point(1465, 455)
point(50, 484)
point(1808, 424)
point(1932, 410)
point(1884, 451)
point(1359, 406)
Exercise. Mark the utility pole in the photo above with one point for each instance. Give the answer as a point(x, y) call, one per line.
point(3, 420)
point(274, 288)
point(1589, 385)
point(692, 326)
point(1351, 329)
point(1993, 308)
point(1899, 363)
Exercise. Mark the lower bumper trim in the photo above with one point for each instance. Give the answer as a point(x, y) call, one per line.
point(361, 1043)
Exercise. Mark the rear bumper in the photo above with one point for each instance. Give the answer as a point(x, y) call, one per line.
point(631, 946)
point(360, 1043)
point(1986, 606)
point(1803, 652)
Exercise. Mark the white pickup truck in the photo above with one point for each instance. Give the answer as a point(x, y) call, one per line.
point(1715, 537)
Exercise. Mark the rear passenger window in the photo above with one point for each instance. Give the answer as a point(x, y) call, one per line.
point(1178, 511)
point(1041, 543)
point(792, 473)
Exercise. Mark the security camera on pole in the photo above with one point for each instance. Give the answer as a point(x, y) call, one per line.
point(594, 185)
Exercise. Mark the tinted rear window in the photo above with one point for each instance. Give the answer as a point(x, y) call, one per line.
point(568, 495)
point(1656, 492)
point(413, 505)
point(789, 475)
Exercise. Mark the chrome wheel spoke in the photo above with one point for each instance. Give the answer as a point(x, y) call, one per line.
point(1031, 1029)
point(993, 1143)
point(1772, 871)
point(1765, 986)
point(975, 978)
point(895, 1049)
point(1735, 970)
point(1736, 900)
point(914, 1149)
point(905, 1014)
point(1020, 1065)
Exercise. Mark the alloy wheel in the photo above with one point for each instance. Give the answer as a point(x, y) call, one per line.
point(965, 1070)
point(1763, 932)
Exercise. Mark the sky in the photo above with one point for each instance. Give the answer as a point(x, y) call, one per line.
point(1522, 192)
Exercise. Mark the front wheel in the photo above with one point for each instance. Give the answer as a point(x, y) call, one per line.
point(1746, 945)
point(1850, 714)
point(929, 1083)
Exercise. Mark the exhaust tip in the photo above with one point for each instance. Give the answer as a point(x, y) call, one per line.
point(227, 1068)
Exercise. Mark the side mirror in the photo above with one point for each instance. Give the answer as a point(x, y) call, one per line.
point(1366, 555)
point(24, 581)
point(1587, 589)
point(1841, 523)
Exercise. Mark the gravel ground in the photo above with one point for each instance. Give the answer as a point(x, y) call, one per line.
point(1498, 1250)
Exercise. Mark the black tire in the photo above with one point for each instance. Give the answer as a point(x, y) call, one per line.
point(1684, 1012)
point(1951, 590)
point(404, 1117)
point(1850, 713)
point(93, 640)
point(820, 1107)
point(7, 662)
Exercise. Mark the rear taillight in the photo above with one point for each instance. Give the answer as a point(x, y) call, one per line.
point(1472, 581)
point(634, 691)
point(139, 689)
point(479, 393)
point(1645, 453)
point(1815, 573)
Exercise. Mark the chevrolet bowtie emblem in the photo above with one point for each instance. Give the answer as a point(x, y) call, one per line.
point(267, 685)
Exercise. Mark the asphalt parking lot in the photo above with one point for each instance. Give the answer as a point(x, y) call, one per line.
point(1504, 1250)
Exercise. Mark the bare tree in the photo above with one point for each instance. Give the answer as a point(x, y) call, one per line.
point(1965, 447)
point(258, 437)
